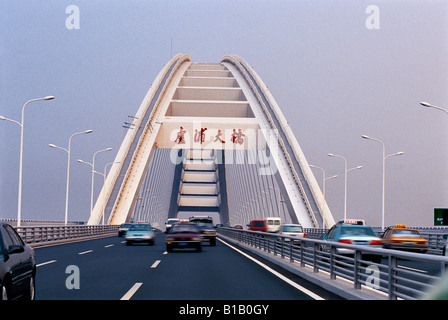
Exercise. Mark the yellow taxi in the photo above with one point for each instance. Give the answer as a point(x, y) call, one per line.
point(402, 238)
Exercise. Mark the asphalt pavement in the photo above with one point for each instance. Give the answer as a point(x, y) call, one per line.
point(107, 269)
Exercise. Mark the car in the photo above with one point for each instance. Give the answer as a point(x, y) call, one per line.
point(123, 228)
point(238, 226)
point(169, 223)
point(355, 234)
point(184, 235)
point(291, 229)
point(273, 223)
point(401, 238)
point(352, 221)
point(140, 232)
point(445, 246)
point(17, 266)
point(205, 224)
point(258, 225)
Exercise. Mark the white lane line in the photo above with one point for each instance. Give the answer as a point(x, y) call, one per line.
point(155, 264)
point(44, 263)
point(84, 252)
point(413, 269)
point(108, 246)
point(165, 252)
point(292, 283)
point(131, 291)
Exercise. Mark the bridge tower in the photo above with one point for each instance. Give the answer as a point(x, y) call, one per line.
point(206, 115)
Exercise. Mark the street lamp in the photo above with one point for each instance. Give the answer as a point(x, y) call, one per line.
point(93, 174)
point(428, 105)
point(21, 124)
point(68, 168)
point(324, 179)
point(384, 173)
point(345, 178)
point(104, 184)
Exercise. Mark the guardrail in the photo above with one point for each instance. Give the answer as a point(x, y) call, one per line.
point(392, 274)
point(43, 235)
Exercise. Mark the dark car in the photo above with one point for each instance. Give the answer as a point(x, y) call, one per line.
point(445, 246)
point(258, 225)
point(183, 235)
point(123, 229)
point(208, 232)
point(17, 265)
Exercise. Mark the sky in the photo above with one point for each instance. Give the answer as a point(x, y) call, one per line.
point(336, 69)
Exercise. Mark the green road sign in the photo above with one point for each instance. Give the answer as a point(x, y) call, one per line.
point(440, 217)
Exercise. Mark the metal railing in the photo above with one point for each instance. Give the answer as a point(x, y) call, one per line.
point(42, 235)
point(392, 273)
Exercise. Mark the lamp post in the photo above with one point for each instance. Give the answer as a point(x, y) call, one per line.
point(384, 174)
point(104, 184)
point(21, 124)
point(324, 179)
point(93, 174)
point(345, 180)
point(68, 168)
point(428, 105)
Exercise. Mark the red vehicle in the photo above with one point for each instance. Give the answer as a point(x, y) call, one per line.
point(258, 225)
point(183, 235)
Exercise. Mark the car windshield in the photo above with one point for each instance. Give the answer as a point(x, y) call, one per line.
point(140, 227)
point(184, 228)
point(172, 221)
point(125, 225)
point(292, 229)
point(356, 231)
point(406, 233)
point(203, 223)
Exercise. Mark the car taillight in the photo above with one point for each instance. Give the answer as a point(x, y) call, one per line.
point(304, 235)
point(346, 241)
point(375, 243)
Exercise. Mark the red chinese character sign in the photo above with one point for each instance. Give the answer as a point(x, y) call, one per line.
point(218, 137)
point(208, 137)
point(181, 136)
point(199, 135)
point(238, 137)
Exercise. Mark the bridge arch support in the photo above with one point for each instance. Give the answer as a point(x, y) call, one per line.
point(207, 115)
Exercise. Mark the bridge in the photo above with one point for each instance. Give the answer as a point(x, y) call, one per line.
point(209, 139)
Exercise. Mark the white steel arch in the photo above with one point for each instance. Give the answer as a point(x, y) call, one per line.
point(203, 107)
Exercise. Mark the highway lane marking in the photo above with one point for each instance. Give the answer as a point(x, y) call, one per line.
point(131, 291)
point(413, 269)
point(108, 246)
point(279, 275)
point(44, 263)
point(84, 252)
point(166, 252)
point(155, 264)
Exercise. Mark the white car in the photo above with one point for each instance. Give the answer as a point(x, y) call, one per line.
point(290, 229)
point(169, 223)
point(273, 223)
